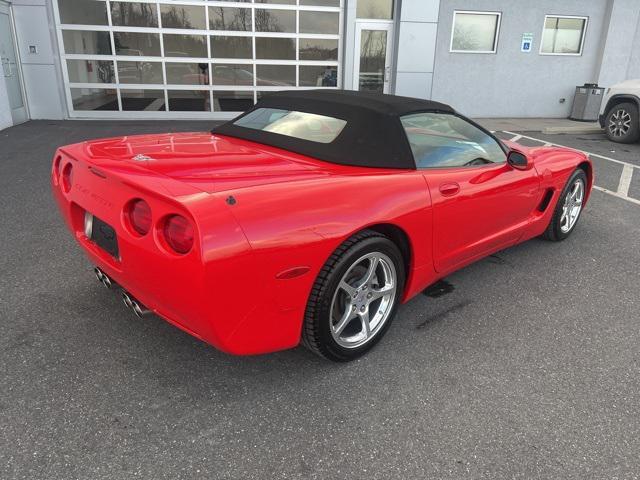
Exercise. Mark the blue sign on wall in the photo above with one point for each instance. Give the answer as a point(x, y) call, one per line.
point(527, 42)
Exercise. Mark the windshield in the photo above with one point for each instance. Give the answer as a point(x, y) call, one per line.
point(302, 125)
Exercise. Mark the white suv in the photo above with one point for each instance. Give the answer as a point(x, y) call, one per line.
point(619, 112)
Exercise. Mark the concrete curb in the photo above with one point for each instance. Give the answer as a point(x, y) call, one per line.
point(543, 125)
point(579, 129)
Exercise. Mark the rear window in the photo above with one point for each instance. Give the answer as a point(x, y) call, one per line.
point(301, 125)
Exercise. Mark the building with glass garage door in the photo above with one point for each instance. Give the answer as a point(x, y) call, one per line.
point(189, 59)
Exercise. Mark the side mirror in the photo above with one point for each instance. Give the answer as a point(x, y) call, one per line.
point(518, 160)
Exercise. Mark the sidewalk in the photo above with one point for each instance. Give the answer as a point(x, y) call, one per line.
point(544, 125)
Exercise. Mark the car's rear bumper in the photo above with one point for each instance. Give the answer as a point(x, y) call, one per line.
point(203, 292)
point(157, 279)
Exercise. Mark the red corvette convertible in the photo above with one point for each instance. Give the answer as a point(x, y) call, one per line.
point(310, 217)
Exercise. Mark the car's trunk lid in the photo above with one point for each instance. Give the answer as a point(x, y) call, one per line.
point(210, 163)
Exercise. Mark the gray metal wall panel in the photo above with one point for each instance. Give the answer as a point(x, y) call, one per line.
point(416, 46)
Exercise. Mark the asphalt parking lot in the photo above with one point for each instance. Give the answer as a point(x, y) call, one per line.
point(526, 366)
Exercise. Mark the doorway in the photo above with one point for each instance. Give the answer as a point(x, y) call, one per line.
point(11, 66)
point(373, 47)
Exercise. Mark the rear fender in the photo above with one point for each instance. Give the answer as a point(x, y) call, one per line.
point(300, 225)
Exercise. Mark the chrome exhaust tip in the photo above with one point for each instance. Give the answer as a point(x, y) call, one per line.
point(98, 273)
point(139, 309)
point(102, 277)
point(128, 302)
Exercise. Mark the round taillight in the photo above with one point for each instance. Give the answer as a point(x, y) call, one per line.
point(139, 213)
point(178, 233)
point(67, 177)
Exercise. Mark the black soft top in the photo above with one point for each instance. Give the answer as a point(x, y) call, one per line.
point(372, 137)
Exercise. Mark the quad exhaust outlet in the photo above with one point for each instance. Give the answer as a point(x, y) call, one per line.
point(139, 309)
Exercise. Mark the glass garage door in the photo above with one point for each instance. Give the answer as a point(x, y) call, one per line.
point(154, 59)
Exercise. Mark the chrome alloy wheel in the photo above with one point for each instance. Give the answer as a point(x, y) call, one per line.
point(363, 300)
point(572, 206)
point(620, 123)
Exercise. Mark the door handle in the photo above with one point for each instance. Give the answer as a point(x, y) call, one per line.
point(387, 73)
point(449, 189)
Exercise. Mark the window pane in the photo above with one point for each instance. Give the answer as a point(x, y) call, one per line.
point(83, 12)
point(94, 99)
point(375, 9)
point(230, 74)
point(275, 48)
point(90, 71)
point(137, 44)
point(474, 32)
point(142, 100)
point(276, 75)
point(281, 2)
point(134, 14)
point(231, 47)
point(318, 49)
point(183, 16)
point(318, 76)
point(302, 125)
point(441, 140)
point(232, 101)
point(275, 20)
point(81, 41)
point(140, 72)
point(229, 18)
point(185, 45)
point(319, 22)
point(187, 73)
point(321, 3)
point(373, 53)
point(562, 35)
point(189, 100)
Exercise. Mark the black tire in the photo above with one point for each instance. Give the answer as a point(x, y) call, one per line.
point(619, 117)
point(317, 331)
point(555, 231)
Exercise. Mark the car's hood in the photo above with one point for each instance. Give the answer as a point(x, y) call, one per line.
point(627, 84)
point(211, 163)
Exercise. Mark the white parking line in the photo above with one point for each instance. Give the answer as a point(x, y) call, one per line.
point(625, 178)
point(616, 194)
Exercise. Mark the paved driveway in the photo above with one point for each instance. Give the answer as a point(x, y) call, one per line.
point(526, 366)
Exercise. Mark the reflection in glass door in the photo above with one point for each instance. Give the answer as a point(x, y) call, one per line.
point(373, 57)
point(10, 69)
